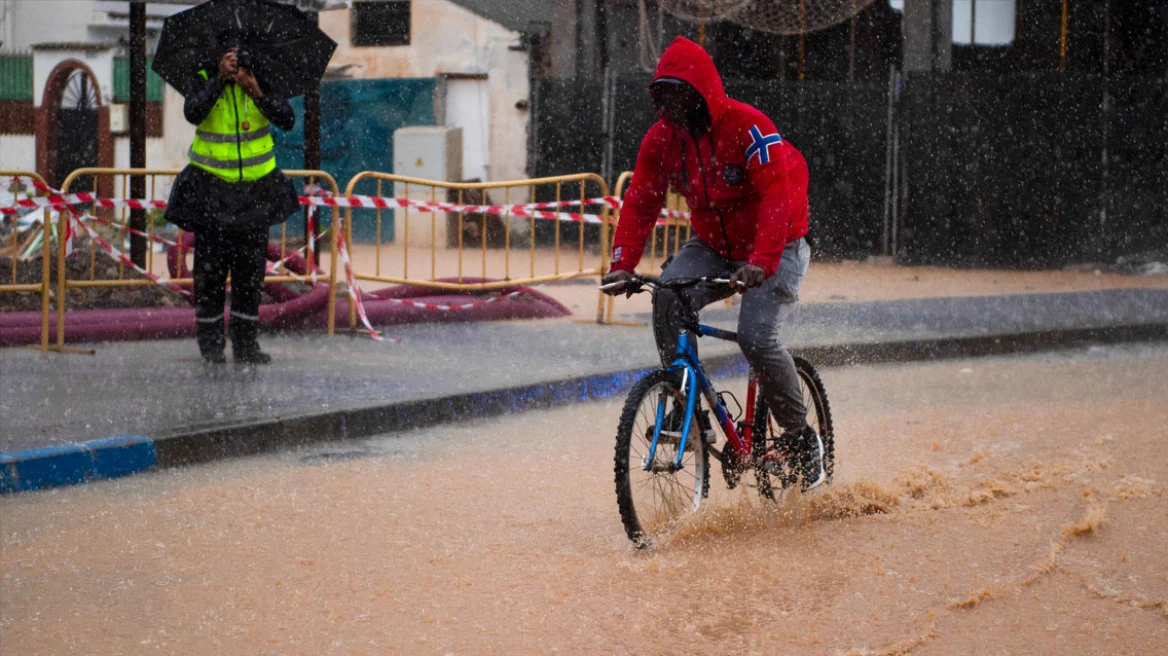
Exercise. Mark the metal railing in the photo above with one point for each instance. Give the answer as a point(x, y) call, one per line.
point(502, 238)
point(10, 285)
point(119, 217)
point(447, 267)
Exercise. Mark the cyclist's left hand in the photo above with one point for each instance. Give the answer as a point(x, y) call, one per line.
point(748, 277)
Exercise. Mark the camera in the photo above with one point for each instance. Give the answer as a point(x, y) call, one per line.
point(243, 58)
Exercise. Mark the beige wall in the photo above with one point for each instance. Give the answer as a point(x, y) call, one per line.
point(18, 151)
point(177, 134)
point(447, 39)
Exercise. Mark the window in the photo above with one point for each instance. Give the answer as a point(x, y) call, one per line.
point(380, 23)
point(984, 22)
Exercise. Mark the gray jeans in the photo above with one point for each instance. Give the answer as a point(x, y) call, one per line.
point(763, 311)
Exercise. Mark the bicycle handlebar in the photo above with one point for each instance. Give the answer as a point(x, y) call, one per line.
point(634, 283)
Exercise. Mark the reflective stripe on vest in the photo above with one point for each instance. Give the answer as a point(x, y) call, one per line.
point(224, 148)
point(211, 162)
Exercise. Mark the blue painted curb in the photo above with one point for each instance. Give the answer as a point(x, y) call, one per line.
point(70, 464)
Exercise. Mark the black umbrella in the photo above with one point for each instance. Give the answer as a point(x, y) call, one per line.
point(287, 53)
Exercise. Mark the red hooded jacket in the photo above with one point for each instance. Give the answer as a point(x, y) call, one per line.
point(745, 185)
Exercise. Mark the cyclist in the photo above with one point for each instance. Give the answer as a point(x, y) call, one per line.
point(746, 187)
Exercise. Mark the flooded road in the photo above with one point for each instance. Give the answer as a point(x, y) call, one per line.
point(991, 506)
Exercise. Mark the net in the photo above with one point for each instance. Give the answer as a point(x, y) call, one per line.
point(775, 16)
point(704, 10)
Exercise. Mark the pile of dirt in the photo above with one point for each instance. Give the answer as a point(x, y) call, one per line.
point(78, 267)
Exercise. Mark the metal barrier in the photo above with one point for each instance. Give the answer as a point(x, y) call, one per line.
point(674, 202)
point(118, 220)
point(11, 285)
point(413, 196)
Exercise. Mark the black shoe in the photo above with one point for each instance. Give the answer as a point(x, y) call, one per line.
point(252, 356)
point(214, 357)
point(805, 449)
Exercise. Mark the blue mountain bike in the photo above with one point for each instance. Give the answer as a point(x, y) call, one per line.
point(665, 436)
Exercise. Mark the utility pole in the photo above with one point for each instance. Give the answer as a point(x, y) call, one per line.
point(138, 244)
point(312, 147)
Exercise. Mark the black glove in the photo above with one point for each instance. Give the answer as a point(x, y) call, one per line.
point(617, 278)
point(748, 277)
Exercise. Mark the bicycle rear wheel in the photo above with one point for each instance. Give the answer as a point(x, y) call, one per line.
point(766, 429)
point(651, 496)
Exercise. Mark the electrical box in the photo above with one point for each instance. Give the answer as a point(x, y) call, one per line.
point(429, 153)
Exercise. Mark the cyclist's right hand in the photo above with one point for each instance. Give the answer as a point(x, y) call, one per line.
point(614, 283)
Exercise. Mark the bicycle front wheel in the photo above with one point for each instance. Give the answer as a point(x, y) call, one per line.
point(651, 495)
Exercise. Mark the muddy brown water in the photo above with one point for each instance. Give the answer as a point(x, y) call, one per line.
point(997, 506)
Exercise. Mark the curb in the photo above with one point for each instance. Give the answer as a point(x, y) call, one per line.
point(70, 464)
point(120, 456)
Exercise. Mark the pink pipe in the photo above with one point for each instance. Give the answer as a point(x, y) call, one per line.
point(294, 311)
point(160, 323)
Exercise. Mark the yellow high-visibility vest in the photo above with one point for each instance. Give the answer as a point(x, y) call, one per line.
point(234, 142)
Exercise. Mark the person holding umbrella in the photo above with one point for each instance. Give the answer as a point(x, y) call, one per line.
point(228, 195)
point(237, 62)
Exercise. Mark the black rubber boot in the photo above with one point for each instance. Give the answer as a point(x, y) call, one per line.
point(209, 335)
point(244, 345)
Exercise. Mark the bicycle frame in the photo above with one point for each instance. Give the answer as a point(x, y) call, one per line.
point(694, 381)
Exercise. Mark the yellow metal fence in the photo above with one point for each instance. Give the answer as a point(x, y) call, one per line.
point(451, 248)
point(91, 179)
point(15, 247)
point(448, 248)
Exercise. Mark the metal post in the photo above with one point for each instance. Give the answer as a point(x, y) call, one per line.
point(1063, 40)
point(972, 22)
point(312, 146)
point(138, 126)
point(888, 177)
point(852, 45)
point(1107, 100)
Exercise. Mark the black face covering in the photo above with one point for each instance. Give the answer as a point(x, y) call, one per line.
point(681, 104)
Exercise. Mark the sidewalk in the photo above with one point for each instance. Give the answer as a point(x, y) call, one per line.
point(322, 388)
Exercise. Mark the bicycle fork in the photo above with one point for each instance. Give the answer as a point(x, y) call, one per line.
point(694, 382)
point(650, 462)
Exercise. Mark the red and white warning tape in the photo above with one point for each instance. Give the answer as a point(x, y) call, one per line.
point(125, 228)
point(453, 308)
point(384, 203)
point(59, 201)
point(82, 221)
point(354, 291)
point(527, 210)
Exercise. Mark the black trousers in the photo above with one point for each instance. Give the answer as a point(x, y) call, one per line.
point(218, 253)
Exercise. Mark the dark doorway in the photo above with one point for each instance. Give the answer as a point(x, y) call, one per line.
point(77, 129)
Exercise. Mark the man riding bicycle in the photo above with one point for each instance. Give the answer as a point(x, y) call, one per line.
point(747, 191)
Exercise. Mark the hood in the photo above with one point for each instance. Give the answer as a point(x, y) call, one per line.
point(689, 62)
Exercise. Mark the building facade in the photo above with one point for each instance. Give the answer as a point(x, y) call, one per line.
point(64, 85)
point(64, 81)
